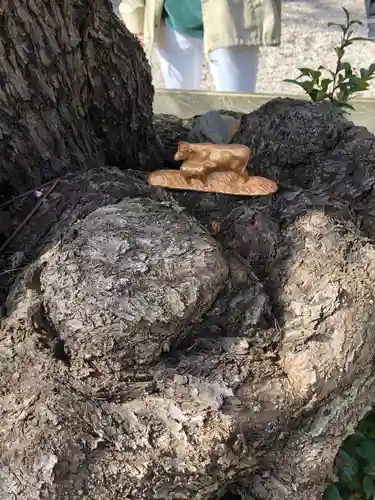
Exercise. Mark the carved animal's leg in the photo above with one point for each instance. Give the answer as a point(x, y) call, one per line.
point(192, 170)
point(208, 168)
point(244, 175)
point(238, 160)
point(204, 176)
point(241, 168)
point(242, 165)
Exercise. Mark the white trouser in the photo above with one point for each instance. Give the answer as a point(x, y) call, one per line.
point(233, 69)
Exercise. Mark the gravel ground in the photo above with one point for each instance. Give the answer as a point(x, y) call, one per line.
point(307, 41)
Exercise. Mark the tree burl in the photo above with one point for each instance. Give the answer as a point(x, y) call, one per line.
point(163, 345)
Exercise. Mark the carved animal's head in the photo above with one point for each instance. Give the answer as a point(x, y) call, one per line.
point(183, 151)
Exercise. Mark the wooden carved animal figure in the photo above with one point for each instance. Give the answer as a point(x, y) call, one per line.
point(200, 160)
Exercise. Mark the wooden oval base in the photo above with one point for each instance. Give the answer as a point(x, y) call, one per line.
point(217, 182)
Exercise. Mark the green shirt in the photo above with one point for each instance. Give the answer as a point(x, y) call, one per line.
point(185, 17)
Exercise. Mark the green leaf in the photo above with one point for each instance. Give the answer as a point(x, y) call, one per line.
point(363, 85)
point(346, 464)
point(369, 470)
point(342, 26)
point(313, 74)
point(305, 71)
point(366, 450)
point(360, 39)
point(325, 83)
point(288, 80)
point(361, 431)
point(344, 65)
point(343, 458)
point(368, 487)
point(306, 85)
point(341, 95)
point(347, 15)
point(355, 21)
point(357, 84)
point(343, 104)
point(321, 95)
point(332, 493)
point(371, 69)
point(317, 94)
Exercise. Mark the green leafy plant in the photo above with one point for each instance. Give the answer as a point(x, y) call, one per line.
point(337, 86)
point(353, 475)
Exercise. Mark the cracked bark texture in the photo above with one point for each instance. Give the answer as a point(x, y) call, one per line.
point(179, 345)
point(160, 345)
point(74, 86)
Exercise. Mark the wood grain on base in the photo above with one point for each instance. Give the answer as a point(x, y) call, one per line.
point(217, 182)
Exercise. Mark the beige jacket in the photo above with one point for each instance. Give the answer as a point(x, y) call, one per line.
point(227, 23)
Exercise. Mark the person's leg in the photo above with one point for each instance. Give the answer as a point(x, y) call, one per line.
point(181, 59)
point(234, 69)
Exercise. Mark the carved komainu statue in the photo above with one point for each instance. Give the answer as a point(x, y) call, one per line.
point(215, 168)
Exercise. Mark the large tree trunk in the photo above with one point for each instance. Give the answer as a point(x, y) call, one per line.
point(141, 356)
point(75, 91)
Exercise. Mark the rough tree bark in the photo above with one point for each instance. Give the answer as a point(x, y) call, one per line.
point(163, 345)
point(74, 86)
point(143, 358)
